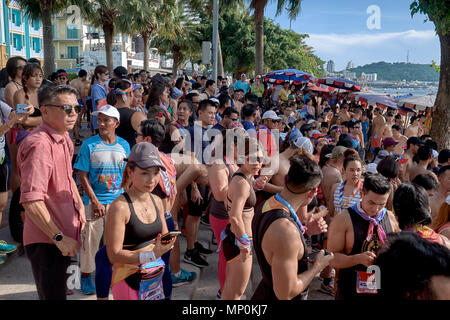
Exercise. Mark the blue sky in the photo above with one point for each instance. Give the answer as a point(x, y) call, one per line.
point(339, 31)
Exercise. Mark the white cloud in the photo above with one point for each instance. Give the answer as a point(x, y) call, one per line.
point(373, 47)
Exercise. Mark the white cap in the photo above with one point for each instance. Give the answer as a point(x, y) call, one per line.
point(270, 115)
point(435, 154)
point(311, 121)
point(214, 100)
point(109, 111)
point(304, 142)
point(371, 168)
point(381, 155)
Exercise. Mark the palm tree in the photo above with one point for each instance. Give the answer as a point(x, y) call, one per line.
point(43, 10)
point(103, 13)
point(111, 16)
point(178, 36)
point(148, 15)
point(293, 8)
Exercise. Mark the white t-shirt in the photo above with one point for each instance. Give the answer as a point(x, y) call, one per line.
point(277, 92)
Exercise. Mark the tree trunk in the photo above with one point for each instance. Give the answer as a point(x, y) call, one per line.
point(108, 30)
point(177, 57)
point(146, 39)
point(259, 35)
point(49, 57)
point(219, 58)
point(441, 113)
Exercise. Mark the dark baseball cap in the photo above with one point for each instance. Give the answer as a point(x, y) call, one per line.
point(389, 142)
point(145, 155)
point(121, 72)
point(444, 155)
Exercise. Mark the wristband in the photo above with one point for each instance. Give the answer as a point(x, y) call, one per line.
point(146, 256)
point(243, 242)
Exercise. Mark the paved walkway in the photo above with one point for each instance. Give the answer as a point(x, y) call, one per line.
point(17, 283)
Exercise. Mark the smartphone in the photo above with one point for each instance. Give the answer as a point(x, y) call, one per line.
point(313, 254)
point(169, 235)
point(20, 108)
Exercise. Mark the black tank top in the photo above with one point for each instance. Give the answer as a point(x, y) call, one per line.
point(138, 233)
point(125, 130)
point(264, 216)
point(217, 208)
point(346, 284)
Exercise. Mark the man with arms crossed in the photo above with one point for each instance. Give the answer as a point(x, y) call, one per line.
point(357, 233)
point(54, 211)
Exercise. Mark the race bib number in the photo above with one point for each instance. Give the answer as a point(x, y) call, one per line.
point(366, 282)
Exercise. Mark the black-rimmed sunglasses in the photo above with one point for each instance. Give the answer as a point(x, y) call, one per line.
point(66, 108)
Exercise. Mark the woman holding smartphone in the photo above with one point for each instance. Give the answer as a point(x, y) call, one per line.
point(134, 227)
point(32, 77)
point(236, 239)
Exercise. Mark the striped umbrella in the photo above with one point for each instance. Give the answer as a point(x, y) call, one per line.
point(292, 75)
point(340, 83)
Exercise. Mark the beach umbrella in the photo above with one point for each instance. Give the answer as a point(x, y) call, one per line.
point(292, 75)
point(380, 100)
point(340, 83)
point(418, 102)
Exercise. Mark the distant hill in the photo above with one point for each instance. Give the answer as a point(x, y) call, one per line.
point(399, 71)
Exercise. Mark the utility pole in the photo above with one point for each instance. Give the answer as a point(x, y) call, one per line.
point(215, 37)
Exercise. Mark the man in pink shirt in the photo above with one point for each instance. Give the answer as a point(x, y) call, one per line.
point(54, 212)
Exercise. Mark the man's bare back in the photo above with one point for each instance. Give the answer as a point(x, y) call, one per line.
point(82, 88)
point(378, 125)
point(331, 176)
point(283, 169)
point(416, 169)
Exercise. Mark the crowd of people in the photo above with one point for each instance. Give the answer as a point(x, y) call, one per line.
point(309, 182)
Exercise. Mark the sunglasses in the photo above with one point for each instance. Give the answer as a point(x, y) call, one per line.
point(106, 73)
point(66, 108)
point(255, 159)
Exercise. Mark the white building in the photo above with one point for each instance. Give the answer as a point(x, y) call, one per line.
point(369, 76)
point(349, 75)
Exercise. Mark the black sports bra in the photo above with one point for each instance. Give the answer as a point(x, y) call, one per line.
point(137, 233)
point(251, 200)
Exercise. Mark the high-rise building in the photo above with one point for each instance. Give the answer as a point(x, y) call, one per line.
point(330, 66)
point(21, 35)
point(350, 65)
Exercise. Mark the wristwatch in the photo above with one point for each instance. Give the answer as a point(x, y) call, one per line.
point(58, 237)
